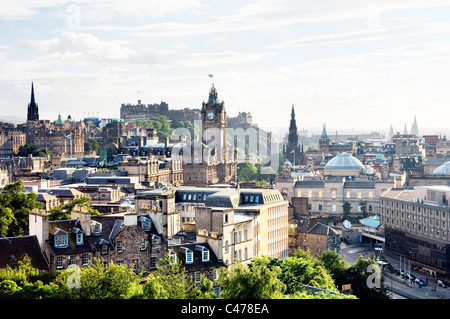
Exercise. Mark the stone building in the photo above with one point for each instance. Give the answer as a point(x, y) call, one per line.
point(345, 179)
point(416, 223)
point(129, 239)
point(154, 170)
point(210, 160)
point(237, 223)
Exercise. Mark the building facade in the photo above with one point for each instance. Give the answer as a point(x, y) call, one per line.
point(416, 223)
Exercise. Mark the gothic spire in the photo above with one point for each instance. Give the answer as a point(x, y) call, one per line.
point(33, 111)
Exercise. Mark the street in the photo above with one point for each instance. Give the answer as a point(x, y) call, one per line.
point(401, 288)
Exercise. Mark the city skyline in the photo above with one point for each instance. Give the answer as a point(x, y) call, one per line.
point(361, 66)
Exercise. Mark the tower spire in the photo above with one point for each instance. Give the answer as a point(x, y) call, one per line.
point(33, 110)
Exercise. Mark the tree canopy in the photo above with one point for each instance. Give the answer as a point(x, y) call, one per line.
point(15, 206)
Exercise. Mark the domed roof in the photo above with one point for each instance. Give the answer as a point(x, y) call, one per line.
point(444, 169)
point(344, 161)
point(288, 164)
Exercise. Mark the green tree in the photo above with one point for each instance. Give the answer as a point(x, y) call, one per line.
point(31, 149)
point(63, 211)
point(15, 207)
point(259, 280)
point(171, 281)
point(336, 265)
point(346, 209)
point(246, 171)
point(366, 279)
point(363, 207)
point(91, 145)
point(99, 281)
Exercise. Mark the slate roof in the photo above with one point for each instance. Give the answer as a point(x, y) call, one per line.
point(310, 184)
point(198, 264)
point(13, 248)
point(322, 229)
point(68, 226)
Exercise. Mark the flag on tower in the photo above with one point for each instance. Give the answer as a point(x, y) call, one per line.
point(67, 136)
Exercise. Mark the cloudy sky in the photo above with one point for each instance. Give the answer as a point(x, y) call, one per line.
point(352, 64)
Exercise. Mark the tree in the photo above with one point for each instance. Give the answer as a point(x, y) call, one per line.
point(247, 171)
point(363, 207)
point(366, 279)
point(31, 149)
point(91, 145)
point(346, 209)
point(15, 207)
point(99, 281)
point(171, 281)
point(63, 211)
point(259, 280)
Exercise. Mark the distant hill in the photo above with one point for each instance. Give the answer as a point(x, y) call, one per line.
point(12, 119)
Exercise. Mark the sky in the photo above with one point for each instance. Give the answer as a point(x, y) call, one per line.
point(355, 65)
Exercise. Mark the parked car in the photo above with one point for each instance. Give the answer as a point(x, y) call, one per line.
point(420, 281)
point(442, 284)
point(411, 277)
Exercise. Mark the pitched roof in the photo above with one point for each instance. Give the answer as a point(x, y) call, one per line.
point(322, 229)
point(13, 248)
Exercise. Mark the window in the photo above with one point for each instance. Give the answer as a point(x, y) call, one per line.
point(143, 244)
point(104, 249)
point(333, 193)
point(61, 239)
point(205, 254)
point(72, 260)
point(172, 257)
point(226, 246)
point(245, 234)
point(348, 194)
point(96, 228)
point(245, 253)
point(85, 259)
point(333, 208)
point(119, 246)
point(79, 237)
point(189, 256)
point(59, 262)
point(146, 223)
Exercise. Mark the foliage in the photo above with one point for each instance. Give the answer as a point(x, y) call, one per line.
point(246, 171)
point(99, 281)
point(363, 206)
point(346, 209)
point(63, 211)
point(91, 145)
point(161, 124)
point(260, 280)
point(171, 281)
point(15, 206)
point(30, 148)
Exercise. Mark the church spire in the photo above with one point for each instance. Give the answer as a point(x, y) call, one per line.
point(33, 111)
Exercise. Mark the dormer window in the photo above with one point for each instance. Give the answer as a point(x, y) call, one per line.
point(205, 252)
point(79, 236)
point(96, 228)
point(172, 257)
point(61, 239)
point(189, 256)
point(146, 223)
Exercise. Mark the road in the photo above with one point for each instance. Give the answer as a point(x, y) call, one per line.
point(401, 288)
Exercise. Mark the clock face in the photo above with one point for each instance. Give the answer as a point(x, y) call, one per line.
point(210, 115)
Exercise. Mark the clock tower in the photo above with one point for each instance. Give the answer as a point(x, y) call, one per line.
point(217, 165)
point(214, 124)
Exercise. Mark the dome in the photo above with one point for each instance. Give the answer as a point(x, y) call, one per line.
point(344, 161)
point(287, 164)
point(444, 169)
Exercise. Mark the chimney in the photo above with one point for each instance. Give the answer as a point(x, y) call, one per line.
point(130, 219)
point(38, 226)
point(82, 214)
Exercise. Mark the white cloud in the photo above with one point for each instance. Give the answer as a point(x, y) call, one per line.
point(368, 35)
point(85, 48)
